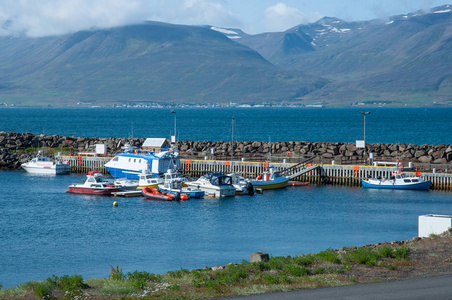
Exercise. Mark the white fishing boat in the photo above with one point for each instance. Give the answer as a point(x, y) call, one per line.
point(43, 164)
point(270, 179)
point(241, 184)
point(132, 162)
point(398, 181)
point(214, 184)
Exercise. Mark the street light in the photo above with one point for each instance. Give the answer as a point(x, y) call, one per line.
point(175, 143)
point(365, 113)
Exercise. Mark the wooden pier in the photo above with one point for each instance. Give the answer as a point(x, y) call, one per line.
point(345, 175)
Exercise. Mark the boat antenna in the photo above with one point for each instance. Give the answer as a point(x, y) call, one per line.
point(232, 140)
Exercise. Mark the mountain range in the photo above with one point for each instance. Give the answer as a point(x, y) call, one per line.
point(403, 61)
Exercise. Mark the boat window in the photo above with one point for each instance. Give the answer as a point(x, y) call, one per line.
point(115, 159)
point(398, 177)
point(91, 180)
point(414, 180)
point(134, 160)
point(407, 180)
point(130, 159)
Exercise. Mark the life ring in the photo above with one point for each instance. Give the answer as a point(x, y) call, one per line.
point(400, 167)
point(289, 154)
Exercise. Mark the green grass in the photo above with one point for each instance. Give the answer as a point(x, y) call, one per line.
point(278, 274)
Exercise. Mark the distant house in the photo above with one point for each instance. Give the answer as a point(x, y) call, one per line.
point(156, 144)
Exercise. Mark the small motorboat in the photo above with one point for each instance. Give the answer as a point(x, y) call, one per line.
point(156, 194)
point(242, 185)
point(126, 184)
point(95, 184)
point(215, 185)
point(270, 179)
point(399, 181)
point(42, 164)
point(148, 179)
point(174, 183)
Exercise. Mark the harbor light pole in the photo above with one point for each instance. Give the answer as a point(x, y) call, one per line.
point(232, 140)
point(175, 143)
point(365, 113)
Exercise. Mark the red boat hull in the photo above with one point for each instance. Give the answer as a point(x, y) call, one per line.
point(92, 191)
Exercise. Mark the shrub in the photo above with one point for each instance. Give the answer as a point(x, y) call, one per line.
point(297, 271)
point(43, 290)
point(386, 251)
point(402, 253)
point(364, 256)
point(278, 263)
point(329, 255)
point(71, 285)
point(304, 260)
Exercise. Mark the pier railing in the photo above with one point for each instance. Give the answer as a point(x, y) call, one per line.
point(336, 174)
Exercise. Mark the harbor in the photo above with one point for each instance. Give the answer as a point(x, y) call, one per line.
point(317, 173)
point(331, 211)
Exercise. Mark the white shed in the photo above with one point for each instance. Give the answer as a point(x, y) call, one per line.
point(156, 144)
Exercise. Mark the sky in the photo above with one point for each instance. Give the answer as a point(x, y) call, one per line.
point(37, 18)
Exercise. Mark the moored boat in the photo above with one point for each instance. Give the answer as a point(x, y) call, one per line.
point(270, 179)
point(174, 183)
point(132, 162)
point(399, 181)
point(242, 185)
point(155, 194)
point(95, 184)
point(147, 179)
point(214, 184)
point(42, 164)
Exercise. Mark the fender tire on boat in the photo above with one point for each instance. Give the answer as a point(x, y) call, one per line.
point(250, 188)
point(177, 196)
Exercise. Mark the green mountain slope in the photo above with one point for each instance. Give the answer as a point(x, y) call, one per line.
point(151, 62)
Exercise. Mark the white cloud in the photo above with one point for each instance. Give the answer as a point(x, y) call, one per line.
point(196, 12)
point(281, 17)
point(37, 18)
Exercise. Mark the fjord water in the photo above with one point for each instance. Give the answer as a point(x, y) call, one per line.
point(45, 231)
point(383, 125)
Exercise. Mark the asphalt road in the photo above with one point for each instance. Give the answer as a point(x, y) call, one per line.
point(423, 288)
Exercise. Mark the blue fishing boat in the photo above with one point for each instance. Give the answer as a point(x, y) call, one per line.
point(133, 162)
point(399, 181)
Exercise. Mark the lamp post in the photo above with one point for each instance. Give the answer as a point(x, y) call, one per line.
point(232, 140)
point(175, 143)
point(365, 113)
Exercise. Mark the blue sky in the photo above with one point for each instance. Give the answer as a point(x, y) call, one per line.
point(52, 17)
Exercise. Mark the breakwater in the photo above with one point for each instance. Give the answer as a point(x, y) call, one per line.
point(16, 148)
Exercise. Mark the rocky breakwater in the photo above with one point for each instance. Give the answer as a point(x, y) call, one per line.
point(16, 148)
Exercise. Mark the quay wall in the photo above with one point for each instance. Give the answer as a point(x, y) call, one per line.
point(16, 148)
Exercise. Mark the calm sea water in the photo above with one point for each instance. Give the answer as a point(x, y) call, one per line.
point(45, 231)
point(383, 125)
